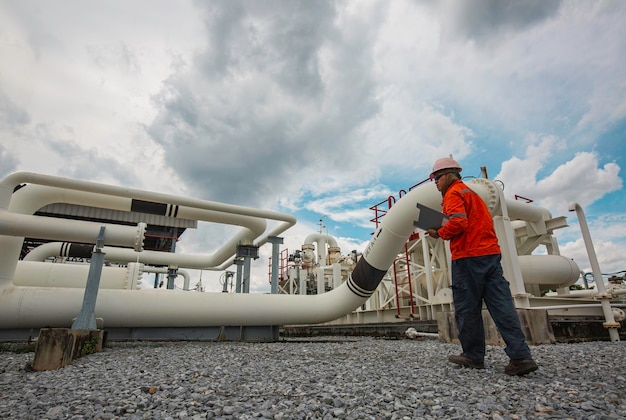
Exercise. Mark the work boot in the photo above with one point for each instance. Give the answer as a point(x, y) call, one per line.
point(520, 367)
point(463, 360)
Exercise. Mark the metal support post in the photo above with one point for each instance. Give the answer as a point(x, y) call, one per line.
point(605, 298)
point(275, 241)
point(247, 252)
point(172, 273)
point(510, 259)
point(86, 319)
point(238, 263)
point(246, 275)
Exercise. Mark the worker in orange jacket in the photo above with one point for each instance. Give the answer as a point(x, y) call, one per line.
point(477, 273)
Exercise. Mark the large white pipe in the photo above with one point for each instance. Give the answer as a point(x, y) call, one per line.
point(30, 307)
point(550, 271)
point(8, 184)
point(519, 210)
point(487, 190)
point(59, 189)
point(67, 249)
point(20, 225)
point(32, 197)
point(40, 274)
point(31, 273)
point(59, 249)
point(320, 240)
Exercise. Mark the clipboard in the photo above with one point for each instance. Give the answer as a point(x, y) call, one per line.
point(429, 218)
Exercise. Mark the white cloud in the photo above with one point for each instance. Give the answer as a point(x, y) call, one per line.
point(85, 88)
point(321, 107)
point(580, 179)
point(610, 255)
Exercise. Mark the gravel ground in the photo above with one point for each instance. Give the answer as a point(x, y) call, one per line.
point(329, 377)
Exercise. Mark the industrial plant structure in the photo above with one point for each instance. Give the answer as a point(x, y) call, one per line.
point(51, 228)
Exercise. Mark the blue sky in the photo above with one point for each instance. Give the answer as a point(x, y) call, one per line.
point(322, 109)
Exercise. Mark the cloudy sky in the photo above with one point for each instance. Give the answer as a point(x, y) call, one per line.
point(321, 109)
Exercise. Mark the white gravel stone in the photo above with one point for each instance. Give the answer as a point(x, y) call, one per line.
point(318, 378)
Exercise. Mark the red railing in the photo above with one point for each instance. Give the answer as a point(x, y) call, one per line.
point(396, 273)
point(283, 266)
point(379, 212)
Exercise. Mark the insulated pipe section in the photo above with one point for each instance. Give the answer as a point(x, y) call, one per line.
point(277, 231)
point(387, 241)
point(517, 210)
point(321, 240)
point(23, 225)
point(9, 183)
point(549, 271)
point(29, 307)
point(33, 197)
point(36, 307)
point(59, 249)
point(488, 191)
point(40, 274)
point(35, 273)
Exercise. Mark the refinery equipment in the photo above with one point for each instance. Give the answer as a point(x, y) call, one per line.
point(45, 297)
point(401, 274)
point(417, 285)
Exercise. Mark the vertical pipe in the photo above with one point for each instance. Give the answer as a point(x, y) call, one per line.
point(227, 276)
point(336, 274)
point(302, 285)
point(321, 285)
point(605, 298)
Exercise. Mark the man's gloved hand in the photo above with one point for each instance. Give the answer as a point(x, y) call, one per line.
point(432, 233)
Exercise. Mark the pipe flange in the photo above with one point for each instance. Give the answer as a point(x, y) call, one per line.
point(141, 235)
point(491, 196)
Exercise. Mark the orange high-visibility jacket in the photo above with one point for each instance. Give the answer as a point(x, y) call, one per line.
point(470, 228)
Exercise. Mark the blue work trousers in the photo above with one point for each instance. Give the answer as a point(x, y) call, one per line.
point(475, 279)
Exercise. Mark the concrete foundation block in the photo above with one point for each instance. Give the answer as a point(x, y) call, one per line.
point(535, 325)
point(57, 347)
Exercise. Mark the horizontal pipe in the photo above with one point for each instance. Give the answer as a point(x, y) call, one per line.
point(550, 271)
point(31, 307)
point(575, 306)
point(42, 190)
point(20, 225)
point(59, 249)
point(165, 270)
point(32, 197)
point(41, 274)
point(10, 182)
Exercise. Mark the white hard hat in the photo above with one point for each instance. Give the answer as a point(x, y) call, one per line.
point(445, 163)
